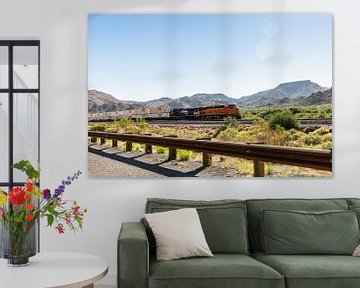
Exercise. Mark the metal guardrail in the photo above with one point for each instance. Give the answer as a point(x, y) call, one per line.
point(259, 153)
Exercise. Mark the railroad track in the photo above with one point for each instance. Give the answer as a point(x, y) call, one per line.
point(211, 123)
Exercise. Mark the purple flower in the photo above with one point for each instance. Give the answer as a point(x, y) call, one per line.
point(46, 194)
point(58, 192)
point(64, 183)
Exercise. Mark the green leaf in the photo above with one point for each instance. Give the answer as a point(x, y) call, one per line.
point(50, 219)
point(26, 167)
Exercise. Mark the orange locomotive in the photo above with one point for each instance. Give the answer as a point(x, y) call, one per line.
point(219, 111)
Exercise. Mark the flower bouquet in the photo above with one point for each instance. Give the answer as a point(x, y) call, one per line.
point(21, 208)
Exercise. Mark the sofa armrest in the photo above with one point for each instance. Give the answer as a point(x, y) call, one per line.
point(133, 256)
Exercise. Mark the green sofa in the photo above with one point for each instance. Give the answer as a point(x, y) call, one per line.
point(233, 230)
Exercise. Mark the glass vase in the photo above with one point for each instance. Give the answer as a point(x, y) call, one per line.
point(18, 242)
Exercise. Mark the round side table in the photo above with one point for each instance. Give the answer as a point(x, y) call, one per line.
point(50, 270)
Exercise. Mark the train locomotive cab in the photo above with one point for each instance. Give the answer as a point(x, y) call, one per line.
point(220, 112)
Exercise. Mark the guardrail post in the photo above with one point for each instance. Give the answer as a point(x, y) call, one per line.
point(148, 147)
point(128, 146)
point(172, 150)
point(114, 143)
point(102, 141)
point(206, 157)
point(259, 168)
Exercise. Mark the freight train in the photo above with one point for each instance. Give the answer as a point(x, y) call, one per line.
point(164, 113)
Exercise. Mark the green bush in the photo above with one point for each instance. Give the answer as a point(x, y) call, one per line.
point(143, 125)
point(229, 134)
point(124, 122)
point(183, 155)
point(100, 127)
point(313, 139)
point(283, 119)
point(160, 150)
point(269, 168)
point(230, 122)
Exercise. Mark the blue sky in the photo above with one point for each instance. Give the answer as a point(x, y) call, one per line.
point(145, 56)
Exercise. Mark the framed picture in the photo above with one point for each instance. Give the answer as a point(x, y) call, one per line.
point(210, 95)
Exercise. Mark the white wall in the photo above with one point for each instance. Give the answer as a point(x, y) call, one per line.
point(62, 28)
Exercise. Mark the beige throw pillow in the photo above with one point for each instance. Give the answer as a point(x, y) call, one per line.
point(178, 234)
point(357, 251)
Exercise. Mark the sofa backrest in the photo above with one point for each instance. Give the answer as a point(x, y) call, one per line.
point(255, 206)
point(223, 221)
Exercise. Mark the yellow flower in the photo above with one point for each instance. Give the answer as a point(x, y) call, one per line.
point(3, 198)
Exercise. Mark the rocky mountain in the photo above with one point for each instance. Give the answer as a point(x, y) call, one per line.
point(201, 100)
point(159, 102)
point(282, 94)
point(317, 98)
point(102, 102)
point(292, 93)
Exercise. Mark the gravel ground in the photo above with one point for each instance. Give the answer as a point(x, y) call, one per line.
point(100, 166)
point(110, 162)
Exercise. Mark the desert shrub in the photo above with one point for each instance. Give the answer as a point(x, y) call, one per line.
point(99, 127)
point(269, 168)
point(137, 147)
point(230, 122)
point(269, 113)
point(322, 131)
point(143, 125)
point(327, 137)
point(133, 129)
point(326, 145)
point(295, 110)
point(229, 134)
point(244, 167)
point(283, 119)
point(124, 122)
point(160, 150)
point(183, 155)
point(313, 139)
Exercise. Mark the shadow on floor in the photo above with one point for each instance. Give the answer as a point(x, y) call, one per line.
point(156, 168)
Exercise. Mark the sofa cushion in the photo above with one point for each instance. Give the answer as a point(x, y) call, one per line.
point(255, 206)
point(178, 234)
point(356, 209)
point(313, 271)
point(222, 270)
point(353, 201)
point(223, 221)
point(297, 232)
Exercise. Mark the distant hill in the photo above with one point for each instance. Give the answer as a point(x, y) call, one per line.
point(317, 98)
point(201, 100)
point(292, 93)
point(282, 94)
point(102, 102)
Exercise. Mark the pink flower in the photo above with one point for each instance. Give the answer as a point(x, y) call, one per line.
point(60, 228)
point(76, 210)
point(1, 214)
